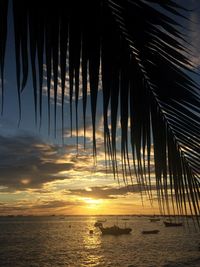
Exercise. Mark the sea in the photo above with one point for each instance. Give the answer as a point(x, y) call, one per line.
point(61, 241)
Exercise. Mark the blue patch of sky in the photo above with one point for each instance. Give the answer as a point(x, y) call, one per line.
point(11, 109)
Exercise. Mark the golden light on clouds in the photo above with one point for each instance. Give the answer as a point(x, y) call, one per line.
point(25, 181)
point(58, 180)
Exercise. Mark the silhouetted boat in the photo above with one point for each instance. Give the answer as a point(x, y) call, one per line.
point(172, 224)
point(148, 232)
point(101, 221)
point(114, 230)
point(154, 219)
point(98, 224)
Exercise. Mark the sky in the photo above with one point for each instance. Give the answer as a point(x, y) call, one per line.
point(39, 175)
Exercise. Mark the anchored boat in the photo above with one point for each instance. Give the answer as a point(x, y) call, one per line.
point(172, 224)
point(114, 230)
point(154, 219)
point(149, 232)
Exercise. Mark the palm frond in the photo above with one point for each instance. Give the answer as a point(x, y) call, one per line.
point(3, 35)
point(142, 56)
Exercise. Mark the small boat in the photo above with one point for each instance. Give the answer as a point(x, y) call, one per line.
point(149, 232)
point(172, 224)
point(98, 224)
point(114, 230)
point(154, 219)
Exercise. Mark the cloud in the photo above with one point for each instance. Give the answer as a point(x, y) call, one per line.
point(105, 192)
point(41, 207)
point(54, 204)
point(27, 162)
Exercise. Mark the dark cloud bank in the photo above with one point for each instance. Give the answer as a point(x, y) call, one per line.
point(27, 162)
point(107, 192)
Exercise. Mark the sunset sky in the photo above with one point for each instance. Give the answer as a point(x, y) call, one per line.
point(41, 176)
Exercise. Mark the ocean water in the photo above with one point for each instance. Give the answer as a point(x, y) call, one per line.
point(50, 242)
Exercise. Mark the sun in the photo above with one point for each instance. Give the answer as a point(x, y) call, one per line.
point(92, 203)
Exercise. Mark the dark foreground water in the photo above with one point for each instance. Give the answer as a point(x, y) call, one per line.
point(49, 241)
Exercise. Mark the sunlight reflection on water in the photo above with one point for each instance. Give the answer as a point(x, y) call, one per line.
point(92, 243)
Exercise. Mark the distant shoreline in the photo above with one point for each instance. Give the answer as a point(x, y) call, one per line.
point(99, 215)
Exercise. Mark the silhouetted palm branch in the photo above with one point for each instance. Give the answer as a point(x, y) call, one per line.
point(142, 56)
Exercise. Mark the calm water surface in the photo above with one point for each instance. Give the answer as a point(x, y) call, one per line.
point(49, 241)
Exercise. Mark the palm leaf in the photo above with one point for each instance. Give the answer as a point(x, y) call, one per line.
point(142, 56)
point(3, 35)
